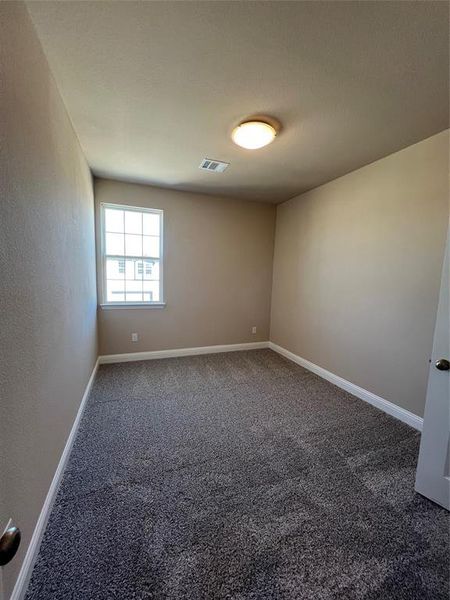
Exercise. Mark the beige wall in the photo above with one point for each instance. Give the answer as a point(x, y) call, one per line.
point(356, 274)
point(217, 272)
point(47, 264)
point(357, 269)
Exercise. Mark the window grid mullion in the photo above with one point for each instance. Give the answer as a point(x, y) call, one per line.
point(125, 269)
point(142, 260)
point(123, 257)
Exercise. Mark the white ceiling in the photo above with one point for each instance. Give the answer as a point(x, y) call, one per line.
point(154, 87)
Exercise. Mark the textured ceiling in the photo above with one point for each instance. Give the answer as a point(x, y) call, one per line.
point(154, 87)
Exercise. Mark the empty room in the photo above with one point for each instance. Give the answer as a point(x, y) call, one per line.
point(224, 300)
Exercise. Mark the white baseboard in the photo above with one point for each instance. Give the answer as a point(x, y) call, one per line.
point(26, 569)
point(388, 407)
point(384, 405)
point(33, 548)
point(133, 356)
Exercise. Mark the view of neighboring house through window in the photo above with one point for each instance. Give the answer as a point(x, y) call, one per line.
point(132, 254)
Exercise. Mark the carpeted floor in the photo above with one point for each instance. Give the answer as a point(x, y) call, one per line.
point(239, 476)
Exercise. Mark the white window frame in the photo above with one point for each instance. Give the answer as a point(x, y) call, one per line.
point(122, 303)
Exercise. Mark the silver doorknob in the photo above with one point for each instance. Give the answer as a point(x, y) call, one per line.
point(9, 543)
point(442, 364)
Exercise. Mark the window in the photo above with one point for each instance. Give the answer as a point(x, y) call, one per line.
point(131, 255)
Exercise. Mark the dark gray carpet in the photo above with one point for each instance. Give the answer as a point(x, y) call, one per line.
point(239, 476)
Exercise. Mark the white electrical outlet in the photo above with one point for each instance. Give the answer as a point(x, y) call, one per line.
point(134, 337)
point(253, 329)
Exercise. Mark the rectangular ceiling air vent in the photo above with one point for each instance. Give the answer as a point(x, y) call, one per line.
point(213, 166)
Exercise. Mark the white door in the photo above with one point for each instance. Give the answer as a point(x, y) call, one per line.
point(433, 469)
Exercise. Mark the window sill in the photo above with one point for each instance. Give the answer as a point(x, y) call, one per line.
point(133, 306)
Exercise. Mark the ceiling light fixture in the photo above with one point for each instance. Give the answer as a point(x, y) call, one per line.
point(253, 134)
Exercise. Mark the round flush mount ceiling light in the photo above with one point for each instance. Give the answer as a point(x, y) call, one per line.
point(253, 134)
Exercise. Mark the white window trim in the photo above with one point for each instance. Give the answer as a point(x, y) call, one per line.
point(148, 304)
